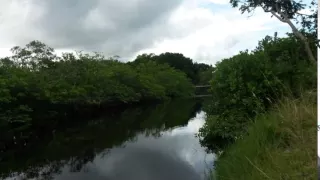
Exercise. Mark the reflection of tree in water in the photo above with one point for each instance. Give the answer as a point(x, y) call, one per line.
point(76, 163)
point(40, 171)
point(77, 146)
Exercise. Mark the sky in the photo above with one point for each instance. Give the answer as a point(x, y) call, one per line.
point(204, 30)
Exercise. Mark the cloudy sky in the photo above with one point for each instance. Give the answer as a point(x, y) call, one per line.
point(205, 30)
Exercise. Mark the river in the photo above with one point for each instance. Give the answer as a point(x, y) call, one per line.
point(148, 142)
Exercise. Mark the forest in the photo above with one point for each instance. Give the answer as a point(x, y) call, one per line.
point(34, 80)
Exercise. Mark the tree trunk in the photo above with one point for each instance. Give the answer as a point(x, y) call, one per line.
point(304, 40)
point(298, 34)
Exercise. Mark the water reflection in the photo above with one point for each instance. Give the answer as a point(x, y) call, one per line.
point(141, 144)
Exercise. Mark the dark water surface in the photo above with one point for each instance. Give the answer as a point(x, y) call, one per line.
point(143, 143)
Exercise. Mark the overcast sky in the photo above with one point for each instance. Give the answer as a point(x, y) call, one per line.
point(205, 30)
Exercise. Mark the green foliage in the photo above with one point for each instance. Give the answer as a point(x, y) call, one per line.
point(280, 145)
point(34, 74)
point(194, 71)
point(172, 82)
point(205, 75)
point(291, 8)
point(247, 84)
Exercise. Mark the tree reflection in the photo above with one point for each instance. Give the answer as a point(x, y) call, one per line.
point(76, 146)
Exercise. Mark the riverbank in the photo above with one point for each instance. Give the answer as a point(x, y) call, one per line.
point(279, 145)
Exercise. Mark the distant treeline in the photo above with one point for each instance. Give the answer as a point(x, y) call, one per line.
point(35, 80)
point(36, 73)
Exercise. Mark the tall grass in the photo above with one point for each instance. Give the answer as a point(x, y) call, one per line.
point(280, 145)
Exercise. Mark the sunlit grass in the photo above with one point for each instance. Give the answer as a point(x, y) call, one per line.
point(280, 145)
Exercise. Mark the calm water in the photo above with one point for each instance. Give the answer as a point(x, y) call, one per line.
point(144, 143)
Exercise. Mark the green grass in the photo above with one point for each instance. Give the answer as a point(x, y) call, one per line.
point(280, 144)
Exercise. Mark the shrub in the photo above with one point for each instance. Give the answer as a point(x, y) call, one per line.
point(247, 84)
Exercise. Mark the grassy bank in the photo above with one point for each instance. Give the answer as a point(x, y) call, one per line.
point(280, 145)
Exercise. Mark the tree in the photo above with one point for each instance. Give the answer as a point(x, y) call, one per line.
point(35, 55)
point(179, 62)
point(286, 11)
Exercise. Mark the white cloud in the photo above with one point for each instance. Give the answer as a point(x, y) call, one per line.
point(205, 30)
point(16, 17)
point(219, 1)
point(192, 127)
point(5, 52)
point(306, 11)
point(209, 36)
point(95, 20)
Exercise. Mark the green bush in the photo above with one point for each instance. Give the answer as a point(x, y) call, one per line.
point(247, 84)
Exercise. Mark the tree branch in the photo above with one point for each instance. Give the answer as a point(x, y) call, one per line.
point(295, 31)
point(277, 16)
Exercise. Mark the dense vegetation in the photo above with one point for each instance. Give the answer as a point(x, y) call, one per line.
point(247, 84)
point(35, 80)
point(199, 73)
point(35, 73)
point(280, 144)
point(245, 87)
point(242, 126)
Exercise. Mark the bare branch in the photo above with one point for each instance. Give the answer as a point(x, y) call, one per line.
point(277, 16)
point(266, 10)
point(285, 17)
